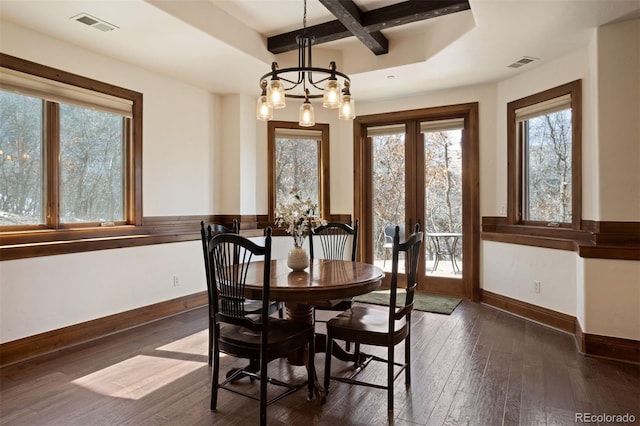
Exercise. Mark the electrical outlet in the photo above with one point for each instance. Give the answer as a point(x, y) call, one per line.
point(503, 209)
point(176, 281)
point(536, 286)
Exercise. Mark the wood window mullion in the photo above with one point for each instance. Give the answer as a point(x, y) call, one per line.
point(52, 160)
point(413, 156)
point(418, 143)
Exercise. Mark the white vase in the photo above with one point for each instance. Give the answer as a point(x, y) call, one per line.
point(298, 259)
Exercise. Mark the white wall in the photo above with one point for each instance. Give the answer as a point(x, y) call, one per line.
point(177, 153)
point(178, 123)
point(611, 297)
point(237, 156)
point(180, 127)
point(602, 294)
point(610, 293)
point(619, 123)
point(510, 269)
point(46, 293)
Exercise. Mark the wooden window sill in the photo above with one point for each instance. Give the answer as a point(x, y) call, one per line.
point(601, 240)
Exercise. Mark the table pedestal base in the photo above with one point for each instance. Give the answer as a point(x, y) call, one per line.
point(304, 313)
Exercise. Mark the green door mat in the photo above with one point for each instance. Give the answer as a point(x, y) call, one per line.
point(421, 302)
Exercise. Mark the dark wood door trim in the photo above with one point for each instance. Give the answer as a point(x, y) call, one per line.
point(471, 183)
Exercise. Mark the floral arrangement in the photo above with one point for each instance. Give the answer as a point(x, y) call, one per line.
point(298, 216)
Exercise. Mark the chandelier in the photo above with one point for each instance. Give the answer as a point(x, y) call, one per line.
point(305, 82)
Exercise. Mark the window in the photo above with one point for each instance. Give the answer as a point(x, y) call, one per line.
point(299, 160)
point(92, 147)
point(69, 150)
point(544, 158)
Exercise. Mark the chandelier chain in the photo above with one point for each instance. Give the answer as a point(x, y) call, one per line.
point(304, 17)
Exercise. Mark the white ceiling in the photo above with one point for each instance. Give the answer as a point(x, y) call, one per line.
point(220, 45)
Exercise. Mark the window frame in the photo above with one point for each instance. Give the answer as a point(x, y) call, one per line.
point(53, 230)
point(516, 170)
point(323, 165)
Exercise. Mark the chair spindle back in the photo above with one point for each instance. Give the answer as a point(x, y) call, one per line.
point(334, 237)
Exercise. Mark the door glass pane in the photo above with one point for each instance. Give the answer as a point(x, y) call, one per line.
point(91, 165)
point(21, 168)
point(388, 193)
point(297, 169)
point(443, 201)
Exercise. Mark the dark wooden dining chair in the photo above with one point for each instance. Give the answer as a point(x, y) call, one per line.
point(206, 234)
point(258, 337)
point(381, 326)
point(337, 241)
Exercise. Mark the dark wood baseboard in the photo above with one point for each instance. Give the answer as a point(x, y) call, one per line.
point(62, 338)
point(608, 347)
point(615, 348)
point(57, 340)
point(539, 314)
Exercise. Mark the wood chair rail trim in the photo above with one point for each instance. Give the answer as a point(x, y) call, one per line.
point(595, 239)
point(154, 230)
point(603, 240)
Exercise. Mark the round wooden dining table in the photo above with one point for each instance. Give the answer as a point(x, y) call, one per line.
point(320, 283)
point(323, 281)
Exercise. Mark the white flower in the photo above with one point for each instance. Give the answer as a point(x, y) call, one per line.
point(298, 217)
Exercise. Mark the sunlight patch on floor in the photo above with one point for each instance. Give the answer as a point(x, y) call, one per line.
point(188, 344)
point(130, 379)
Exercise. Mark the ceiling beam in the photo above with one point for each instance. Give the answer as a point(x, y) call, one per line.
point(350, 15)
point(371, 21)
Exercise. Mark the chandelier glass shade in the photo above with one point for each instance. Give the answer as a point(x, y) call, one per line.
point(264, 109)
point(306, 117)
point(305, 82)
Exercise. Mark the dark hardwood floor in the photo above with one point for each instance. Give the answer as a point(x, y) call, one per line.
point(478, 366)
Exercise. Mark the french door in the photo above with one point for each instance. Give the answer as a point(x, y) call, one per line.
point(421, 166)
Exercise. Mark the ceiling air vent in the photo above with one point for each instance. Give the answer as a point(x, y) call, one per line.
point(522, 61)
point(94, 22)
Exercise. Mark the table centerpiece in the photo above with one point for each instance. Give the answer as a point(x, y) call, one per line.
point(298, 216)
